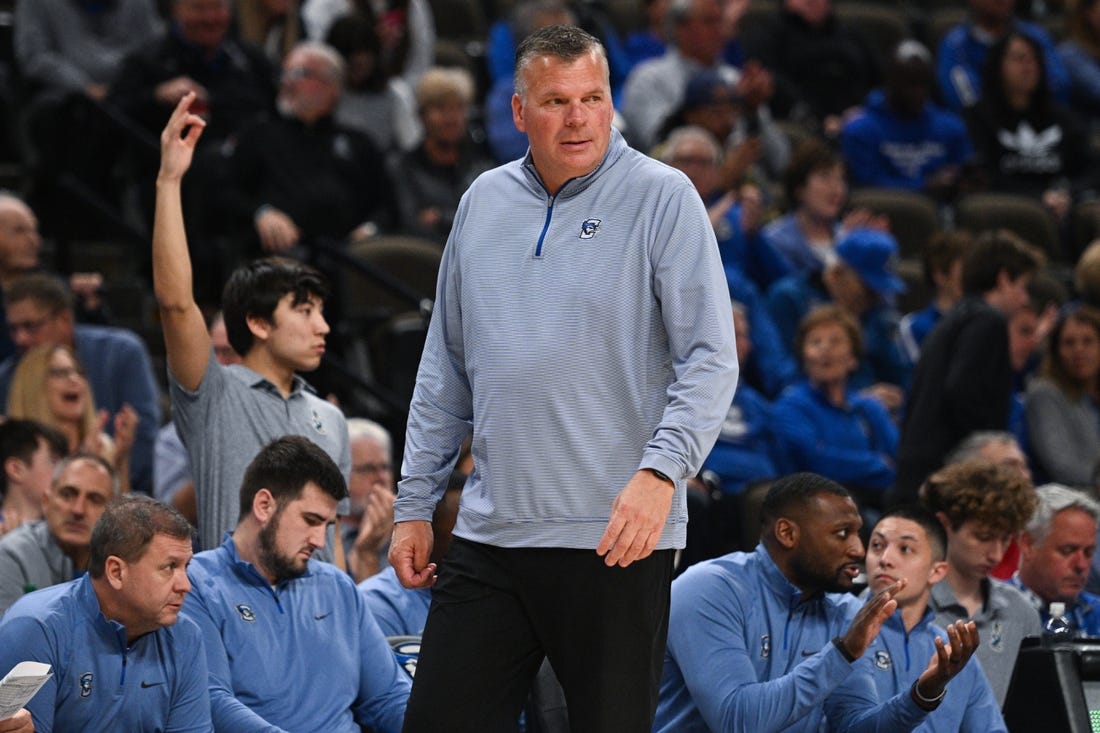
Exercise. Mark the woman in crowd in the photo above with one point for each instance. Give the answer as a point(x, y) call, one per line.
point(822, 424)
point(49, 386)
point(1080, 53)
point(1061, 407)
point(1026, 141)
point(816, 192)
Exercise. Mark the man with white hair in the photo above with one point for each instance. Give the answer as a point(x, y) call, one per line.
point(1056, 548)
point(366, 529)
point(300, 175)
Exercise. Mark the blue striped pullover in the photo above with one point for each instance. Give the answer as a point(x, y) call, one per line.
point(581, 336)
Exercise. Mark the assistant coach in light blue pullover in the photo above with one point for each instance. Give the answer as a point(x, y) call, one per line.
point(582, 332)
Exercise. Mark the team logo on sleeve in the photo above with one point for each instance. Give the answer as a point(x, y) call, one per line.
point(589, 227)
point(86, 684)
point(765, 646)
point(246, 612)
point(996, 637)
point(317, 424)
point(882, 660)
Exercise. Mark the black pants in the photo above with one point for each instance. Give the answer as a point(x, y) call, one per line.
point(497, 612)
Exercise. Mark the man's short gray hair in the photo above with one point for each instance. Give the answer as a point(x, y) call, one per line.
point(1054, 498)
point(565, 42)
point(970, 447)
point(327, 54)
point(361, 427)
point(690, 133)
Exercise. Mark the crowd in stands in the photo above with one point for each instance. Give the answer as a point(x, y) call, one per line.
point(950, 379)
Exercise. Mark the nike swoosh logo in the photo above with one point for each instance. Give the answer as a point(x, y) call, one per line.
point(808, 654)
point(323, 616)
point(144, 685)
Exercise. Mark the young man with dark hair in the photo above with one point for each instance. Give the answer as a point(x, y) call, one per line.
point(29, 451)
point(119, 658)
point(982, 506)
point(773, 639)
point(269, 613)
point(963, 379)
point(941, 264)
point(273, 317)
point(909, 542)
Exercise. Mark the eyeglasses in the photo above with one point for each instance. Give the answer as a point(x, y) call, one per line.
point(30, 327)
point(65, 372)
point(304, 72)
point(372, 468)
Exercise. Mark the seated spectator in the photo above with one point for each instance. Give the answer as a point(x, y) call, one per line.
point(301, 176)
point(1080, 54)
point(1056, 548)
point(271, 25)
point(773, 639)
point(506, 141)
point(49, 386)
point(900, 139)
point(745, 451)
point(298, 610)
point(123, 615)
point(366, 528)
point(232, 81)
point(735, 214)
point(116, 363)
point(964, 48)
point(432, 178)
point(650, 40)
point(756, 148)
point(373, 102)
point(1063, 404)
point(1086, 275)
point(823, 425)
point(862, 282)
point(55, 549)
point(822, 68)
point(816, 192)
point(406, 31)
point(172, 480)
point(963, 380)
point(1027, 142)
point(941, 263)
point(655, 88)
point(983, 506)
point(909, 542)
point(29, 452)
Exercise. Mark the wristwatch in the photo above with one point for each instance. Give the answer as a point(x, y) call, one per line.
point(660, 475)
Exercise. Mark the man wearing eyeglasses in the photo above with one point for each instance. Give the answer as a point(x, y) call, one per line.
point(348, 192)
point(40, 309)
point(366, 529)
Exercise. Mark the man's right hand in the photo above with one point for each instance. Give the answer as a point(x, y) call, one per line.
point(177, 149)
point(276, 230)
point(19, 723)
point(170, 92)
point(865, 626)
point(410, 552)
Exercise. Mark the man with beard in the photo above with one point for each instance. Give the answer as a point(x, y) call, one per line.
point(772, 640)
point(269, 612)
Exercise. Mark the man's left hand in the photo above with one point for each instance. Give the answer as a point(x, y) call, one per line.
point(948, 659)
point(637, 519)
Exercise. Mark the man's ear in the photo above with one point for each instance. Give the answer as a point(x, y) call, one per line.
point(15, 469)
point(114, 571)
point(937, 573)
point(260, 327)
point(786, 532)
point(264, 505)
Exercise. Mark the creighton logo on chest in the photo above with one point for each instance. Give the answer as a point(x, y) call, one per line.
point(589, 227)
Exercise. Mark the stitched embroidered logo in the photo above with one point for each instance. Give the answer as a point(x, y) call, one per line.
point(86, 684)
point(246, 612)
point(589, 227)
point(996, 637)
point(317, 424)
point(882, 660)
point(765, 646)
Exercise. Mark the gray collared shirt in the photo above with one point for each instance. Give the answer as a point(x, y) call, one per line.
point(30, 560)
point(1003, 621)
